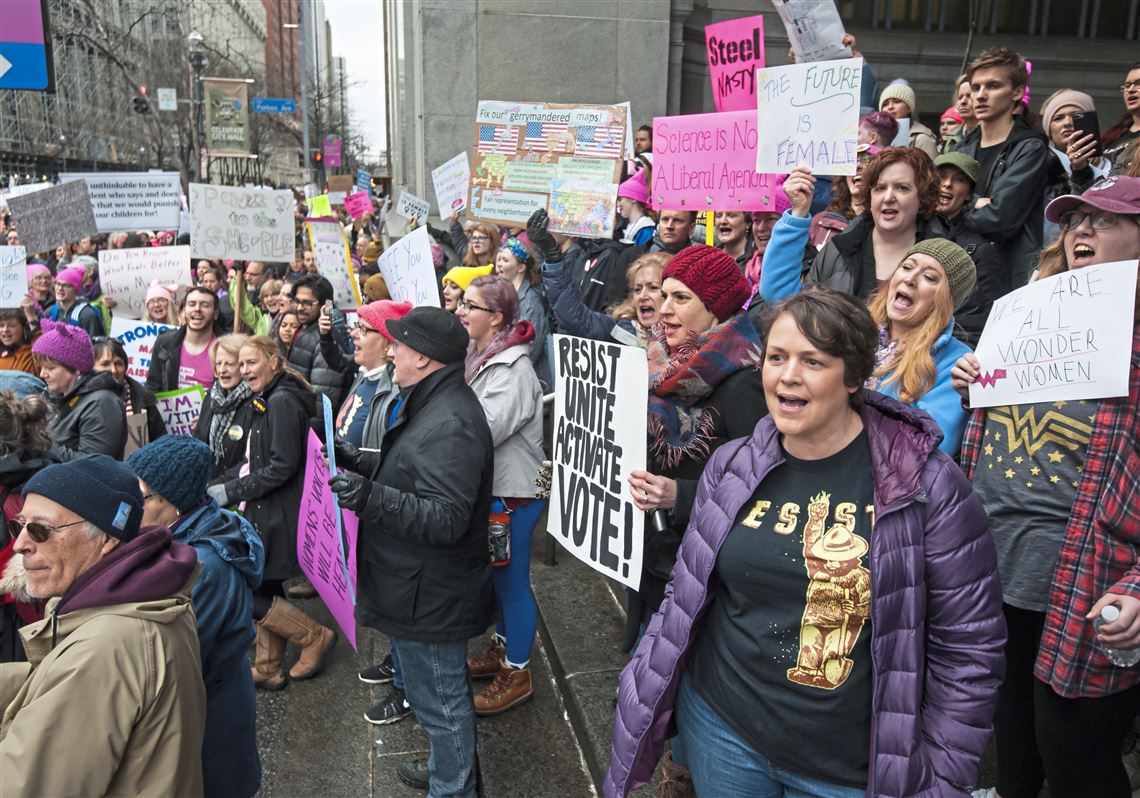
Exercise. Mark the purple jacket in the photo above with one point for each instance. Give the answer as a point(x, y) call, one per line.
point(936, 620)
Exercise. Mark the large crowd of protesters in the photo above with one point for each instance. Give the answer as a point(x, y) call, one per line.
point(852, 579)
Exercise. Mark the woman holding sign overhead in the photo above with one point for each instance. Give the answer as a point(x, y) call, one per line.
point(1059, 483)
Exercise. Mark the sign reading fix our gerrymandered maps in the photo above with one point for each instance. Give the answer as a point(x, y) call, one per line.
point(564, 158)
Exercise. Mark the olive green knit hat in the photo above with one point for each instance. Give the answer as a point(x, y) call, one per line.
point(960, 271)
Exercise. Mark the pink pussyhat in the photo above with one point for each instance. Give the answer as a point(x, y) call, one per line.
point(635, 189)
point(157, 290)
point(73, 276)
point(35, 269)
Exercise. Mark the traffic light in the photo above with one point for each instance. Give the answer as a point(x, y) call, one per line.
point(318, 158)
point(140, 103)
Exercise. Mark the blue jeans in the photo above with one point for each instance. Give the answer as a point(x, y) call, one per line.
point(518, 614)
point(397, 674)
point(722, 763)
point(436, 686)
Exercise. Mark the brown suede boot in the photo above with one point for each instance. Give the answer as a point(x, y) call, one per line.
point(269, 651)
point(487, 664)
point(676, 781)
point(511, 687)
point(314, 639)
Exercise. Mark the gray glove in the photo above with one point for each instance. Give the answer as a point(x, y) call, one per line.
point(218, 494)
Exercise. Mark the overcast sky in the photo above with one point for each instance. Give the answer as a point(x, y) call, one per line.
point(358, 36)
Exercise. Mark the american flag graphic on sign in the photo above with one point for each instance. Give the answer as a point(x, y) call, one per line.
point(537, 136)
point(605, 141)
point(498, 138)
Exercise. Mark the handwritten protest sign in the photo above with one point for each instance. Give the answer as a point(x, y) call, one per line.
point(735, 50)
point(138, 434)
point(125, 274)
point(600, 416)
point(358, 205)
point(19, 191)
point(809, 116)
point(137, 338)
point(450, 181)
point(47, 218)
point(708, 162)
point(322, 550)
point(408, 270)
point(340, 183)
point(409, 206)
point(565, 158)
point(334, 262)
point(241, 223)
point(814, 28)
point(13, 276)
point(1064, 338)
point(180, 409)
point(320, 207)
point(132, 200)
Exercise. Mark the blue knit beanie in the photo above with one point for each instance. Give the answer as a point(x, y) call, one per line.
point(97, 489)
point(176, 467)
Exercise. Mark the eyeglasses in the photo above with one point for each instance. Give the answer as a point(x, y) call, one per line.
point(1130, 84)
point(306, 303)
point(479, 239)
point(36, 531)
point(469, 306)
point(360, 328)
point(1100, 220)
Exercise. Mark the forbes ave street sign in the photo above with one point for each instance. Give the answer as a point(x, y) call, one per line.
point(273, 105)
point(25, 47)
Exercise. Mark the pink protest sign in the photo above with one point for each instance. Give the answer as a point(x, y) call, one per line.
point(323, 556)
point(358, 204)
point(735, 51)
point(707, 162)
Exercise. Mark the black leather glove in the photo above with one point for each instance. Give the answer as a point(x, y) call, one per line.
point(352, 490)
point(543, 240)
point(351, 457)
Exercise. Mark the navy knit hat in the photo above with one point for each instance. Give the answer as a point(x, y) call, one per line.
point(176, 467)
point(97, 489)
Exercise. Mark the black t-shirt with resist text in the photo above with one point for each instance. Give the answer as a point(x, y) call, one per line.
point(784, 654)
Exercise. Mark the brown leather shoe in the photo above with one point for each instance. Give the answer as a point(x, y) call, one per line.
point(314, 639)
point(268, 653)
point(302, 589)
point(511, 687)
point(488, 664)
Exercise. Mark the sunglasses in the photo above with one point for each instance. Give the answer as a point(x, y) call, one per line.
point(36, 531)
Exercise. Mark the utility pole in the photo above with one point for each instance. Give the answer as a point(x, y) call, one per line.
point(303, 21)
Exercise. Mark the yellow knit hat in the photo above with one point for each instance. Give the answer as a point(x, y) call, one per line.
point(463, 275)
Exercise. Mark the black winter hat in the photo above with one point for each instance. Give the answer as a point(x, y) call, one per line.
point(97, 489)
point(432, 332)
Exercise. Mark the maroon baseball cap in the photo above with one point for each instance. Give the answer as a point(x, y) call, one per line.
point(1116, 194)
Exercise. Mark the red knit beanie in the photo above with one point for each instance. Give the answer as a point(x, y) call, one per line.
point(713, 276)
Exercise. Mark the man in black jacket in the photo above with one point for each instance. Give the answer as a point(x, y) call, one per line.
point(425, 572)
point(315, 352)
point(180, 356)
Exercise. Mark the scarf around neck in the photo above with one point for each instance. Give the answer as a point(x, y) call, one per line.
point(225, 407)
point(681, 378)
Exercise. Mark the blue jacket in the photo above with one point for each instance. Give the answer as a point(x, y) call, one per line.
point(781, 278)
point(232, 559)
point(574, 317)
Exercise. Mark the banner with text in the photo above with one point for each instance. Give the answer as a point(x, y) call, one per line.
point(565, 158)
point(600, 418)
point(814, 29)
point(137, 338)
point(13, 276)
point(707, 162)
point(450, 181)
point(45, 219)
point(227, 116)
point(735, 51)
point(809, 116)
point(180, 409)
point(132, 200)
point(409, 206)
point(334, 261)
point(125, 274)
point(1064, 338)
point(408, 269)
point(358, 205)
point(241, 223)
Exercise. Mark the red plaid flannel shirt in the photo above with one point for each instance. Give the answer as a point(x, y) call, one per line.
point(1101, 548)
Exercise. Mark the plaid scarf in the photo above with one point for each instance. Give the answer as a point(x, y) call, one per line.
point(225, 407)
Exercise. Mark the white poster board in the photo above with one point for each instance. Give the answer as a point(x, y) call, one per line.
point(330, 250)
point(409, 206)
point(125, 274)
point(600, 404)
point(1065, 338)
point(137, 338)
point(903, 137)
point(808, 115)
point(13, 276)
point(241, 223)
point(408, 270)
point(45, 219)
point(450, 181)
point(132, 200)
point(814, 29)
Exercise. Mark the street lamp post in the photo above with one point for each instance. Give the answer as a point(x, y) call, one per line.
point(197, 130)
point(63, 150)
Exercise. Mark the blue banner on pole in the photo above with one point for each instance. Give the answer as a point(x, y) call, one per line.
point(363, 180)
point(274, 105)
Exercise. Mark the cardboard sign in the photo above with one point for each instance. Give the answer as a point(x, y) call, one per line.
point(358, 205)
point(137, 339)
point(339, 183)
point(241, 223)
point(1065, 338)
point(180, 409)
point(814, 29)
point(707, 162)
point(600, 418)
point(334, 261)
point(408, 270)
point(138, 434)
point(409, 206)
point(809, 116)
point(627, 151)
point(125, 274)
point(735, 51)
point(565, 158)
point(132, 200)
point(450, 181)
point(13, 276)
point(48, 218)
point(324, 549)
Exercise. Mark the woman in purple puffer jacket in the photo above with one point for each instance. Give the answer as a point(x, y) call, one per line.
point(833, 625)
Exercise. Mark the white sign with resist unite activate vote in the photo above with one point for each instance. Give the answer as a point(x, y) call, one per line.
point(1067, 337)
point(601, 406)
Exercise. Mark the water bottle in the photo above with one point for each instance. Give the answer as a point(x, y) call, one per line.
point(499, 533)
point(1121, 658)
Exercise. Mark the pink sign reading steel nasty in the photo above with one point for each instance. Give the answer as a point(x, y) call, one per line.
point(707, 162)
point(735, 51)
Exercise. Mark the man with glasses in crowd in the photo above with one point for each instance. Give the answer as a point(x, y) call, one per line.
point(256, 273)
point(315, 352)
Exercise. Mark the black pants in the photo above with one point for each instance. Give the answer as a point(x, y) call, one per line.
point(1072, 743)
point(264, 594)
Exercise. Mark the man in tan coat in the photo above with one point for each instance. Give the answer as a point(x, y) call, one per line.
point(112, 701)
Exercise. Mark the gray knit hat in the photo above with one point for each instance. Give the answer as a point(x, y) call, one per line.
point(960, 271)
point(900, 91)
